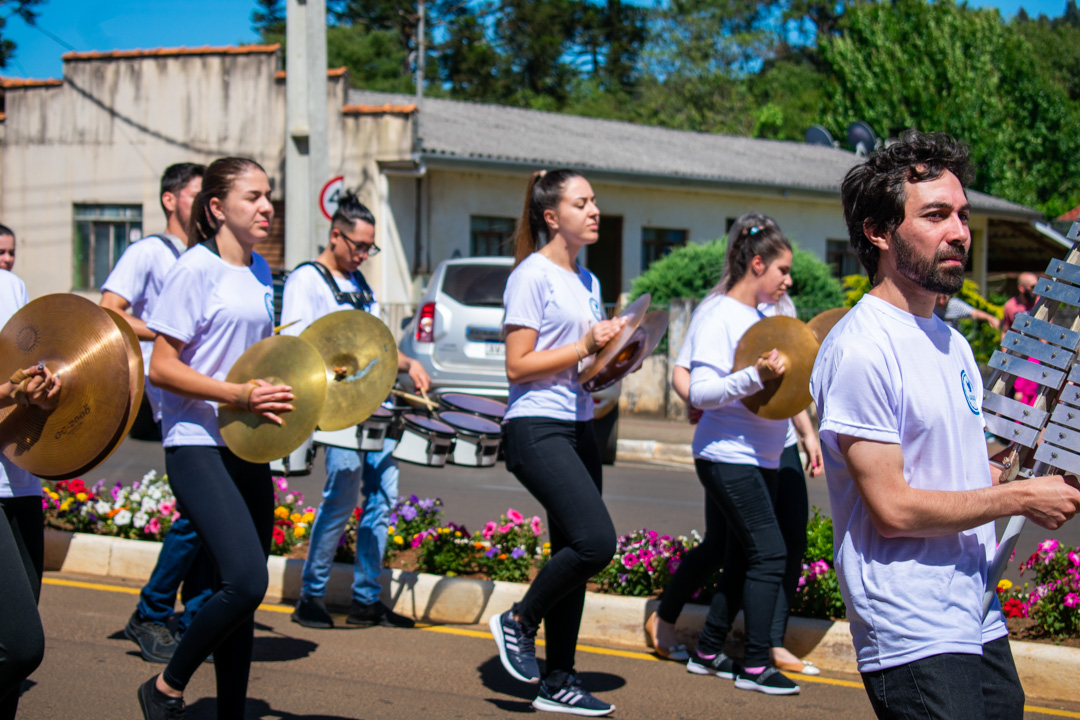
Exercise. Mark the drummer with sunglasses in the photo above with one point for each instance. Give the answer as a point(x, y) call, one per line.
point(330, 283)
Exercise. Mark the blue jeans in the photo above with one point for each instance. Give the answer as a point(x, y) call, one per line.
point(346, 472)
point(174, 565)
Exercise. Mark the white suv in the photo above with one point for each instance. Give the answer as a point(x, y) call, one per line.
point(456, 335)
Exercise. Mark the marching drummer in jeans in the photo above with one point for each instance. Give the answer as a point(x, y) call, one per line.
point(329, 284)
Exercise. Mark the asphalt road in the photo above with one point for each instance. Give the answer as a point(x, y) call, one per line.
point(91, 672)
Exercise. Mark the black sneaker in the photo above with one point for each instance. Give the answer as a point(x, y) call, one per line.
point(311, 612)
point(156, 705)
point(721, 665)
point(769, 681)
point(376, 613)
point(517, 650)
point(154, 639)
point(570, 698)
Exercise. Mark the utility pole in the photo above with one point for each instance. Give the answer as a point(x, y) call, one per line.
point(307, 151)
point(420, 55)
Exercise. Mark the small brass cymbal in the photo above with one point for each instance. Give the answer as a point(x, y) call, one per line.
point(822, 323)
point(83, 345)
point(789, 394)
point(361, 360)
point(639, 346)
point(279, 360)
point(633, 313)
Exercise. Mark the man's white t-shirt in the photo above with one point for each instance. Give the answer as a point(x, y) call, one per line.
point(307, 298)
point(138, 277)
point(218, 311)
point(561, 306)
point(14, 481)
point(889, 376)
point(728, 432)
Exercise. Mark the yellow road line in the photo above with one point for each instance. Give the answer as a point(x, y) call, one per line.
point(483, 634)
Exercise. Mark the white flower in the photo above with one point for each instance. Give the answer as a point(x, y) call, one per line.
point(101, 507)
point(148, 505)
point(122, 518)
point(290, 499)
point(149, 477)
point(140, 519)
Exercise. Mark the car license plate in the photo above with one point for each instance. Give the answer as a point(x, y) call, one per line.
point(495, 350)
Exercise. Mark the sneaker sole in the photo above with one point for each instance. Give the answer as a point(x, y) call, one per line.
point(310, 624)
point(500, 642)
point(751, 685)
point(693, 667)
point(549, 706)
point(147, 656)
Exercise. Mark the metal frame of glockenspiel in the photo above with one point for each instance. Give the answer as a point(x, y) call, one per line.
point(1051, 426)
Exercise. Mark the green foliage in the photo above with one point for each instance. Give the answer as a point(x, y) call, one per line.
point(813, 287)
point(446, 551)
point(374, 58)
point(25, 9)
point(818, 594)
point(819, 537)
point(514, 547)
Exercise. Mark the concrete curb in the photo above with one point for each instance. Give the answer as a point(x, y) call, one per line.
point(1047, 671)
point(653, 450)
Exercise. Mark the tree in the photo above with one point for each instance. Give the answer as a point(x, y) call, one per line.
point(268, 19)
point(24, 9)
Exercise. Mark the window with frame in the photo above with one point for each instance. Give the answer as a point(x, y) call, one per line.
point(489, 235)
point(658, 242)
point(841, 257)
point(102, 233)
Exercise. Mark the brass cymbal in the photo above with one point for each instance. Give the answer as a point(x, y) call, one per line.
point(80, 342)
point(789, 394)
point(822, 323)
point(633, 313)
point(136, 371)
point(360, 358)
point(638, 347)
point(279, 360)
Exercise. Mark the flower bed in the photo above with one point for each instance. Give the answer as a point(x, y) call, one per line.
point(1051, 607)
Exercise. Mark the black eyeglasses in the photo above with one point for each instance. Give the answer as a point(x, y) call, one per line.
point(370, 250)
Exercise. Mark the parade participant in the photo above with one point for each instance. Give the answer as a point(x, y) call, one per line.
point(737, 454)
point(952, 310)
point(554, 322)
point(791, 503)
point(132, 289)
point(912, 493)
point(7, 248)
point(333, 282)
point(22, 541)
point(217, 301)
point(1022, 302)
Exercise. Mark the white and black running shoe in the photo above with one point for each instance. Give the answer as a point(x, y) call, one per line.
point(719, 665)
point(570, 698)
point(769, 681)
point(517, 650)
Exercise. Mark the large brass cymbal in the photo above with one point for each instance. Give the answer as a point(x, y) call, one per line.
point(137, 378)
point(361, 360)
point(638, 347)
point(80, 342)
point(279, 360)
point(789, 394)
point(633, 313)
point(822, 323)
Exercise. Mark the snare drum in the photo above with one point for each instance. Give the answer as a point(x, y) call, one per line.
point(424, 441)
point(368, 436)
point(478, 405)
point(478, 439)
point(298, 462)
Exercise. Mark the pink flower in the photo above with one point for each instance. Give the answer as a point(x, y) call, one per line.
point(514, 516)
point(166, 508)
point(537, 528)
point(1074, 558)
point(153, 527)
point(282, 484)
point(489, 530)
point(1072, 600)
point(629, 560)
point(1049, 545)
point(506, 528)
point(44, 504)
point(175, 515)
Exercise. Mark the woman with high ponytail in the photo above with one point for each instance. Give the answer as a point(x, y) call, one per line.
point(216, 302)
point(554, 325)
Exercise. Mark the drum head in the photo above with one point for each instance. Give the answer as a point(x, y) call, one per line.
point(470, 424)
point(429, 424)
point(475, 404)
point(381, 413)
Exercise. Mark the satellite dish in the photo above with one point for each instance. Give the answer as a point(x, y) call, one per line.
point(861, 138)
point(818, 135)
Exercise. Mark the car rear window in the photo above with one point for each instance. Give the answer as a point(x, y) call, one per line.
point(476, 285)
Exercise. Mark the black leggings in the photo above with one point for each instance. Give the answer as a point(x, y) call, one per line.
point(558, 461)
point(698, 565)
point(22, 553)
point(231, 504)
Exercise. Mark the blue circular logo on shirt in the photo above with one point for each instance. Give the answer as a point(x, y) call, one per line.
point(969, 392)
point(595, 305)
point(268, 299)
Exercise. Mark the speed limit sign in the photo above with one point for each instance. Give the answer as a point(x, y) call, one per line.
point(330, 195)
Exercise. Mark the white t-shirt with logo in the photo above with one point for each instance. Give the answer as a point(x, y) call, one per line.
point(218, 311)
point(687, 349)
point(14, 481)
point(886, 375)
point(138, 277)
point(561, 306)
point(728, 432)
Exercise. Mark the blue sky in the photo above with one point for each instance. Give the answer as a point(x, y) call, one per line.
point(128, 24)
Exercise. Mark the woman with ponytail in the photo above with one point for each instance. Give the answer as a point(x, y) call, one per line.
point(217, 301)
point(553, 326)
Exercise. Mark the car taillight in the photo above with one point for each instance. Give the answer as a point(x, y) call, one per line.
point(425, 325)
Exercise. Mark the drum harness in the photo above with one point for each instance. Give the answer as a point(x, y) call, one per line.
point(361, 300)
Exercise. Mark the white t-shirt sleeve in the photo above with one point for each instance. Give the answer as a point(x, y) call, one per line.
point(179, 317)
point(296, 303)
point(524, 299)
point(712, 384)
point(131, 274)
point(857, 395)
